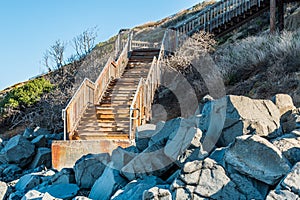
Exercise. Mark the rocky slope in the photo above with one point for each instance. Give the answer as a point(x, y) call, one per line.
point(233, 148)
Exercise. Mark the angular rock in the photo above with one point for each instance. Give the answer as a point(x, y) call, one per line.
point(18, 150)
point(40, 141)
point(3, 190)
point(290, 120)
point(284, 103)
point(289, 145)
point(33, 195)
point(143, 134)
point(64, 176)
point(281, 195)
point(62, 191)
point(89, 168)
point(107, 184)
point(40, 131)
point(152, 161)
point(81, 198)
point(249, 116)
point(165, 129)
point(256, 157)
point(292, 181)
point(121, 157)
point(205, 179)
point(28, 133)
point(27, 182)
point(179, 141)
point(11, 172)
point(135, 189)
point(42, 157)
point(157, 193)
point(251, 188)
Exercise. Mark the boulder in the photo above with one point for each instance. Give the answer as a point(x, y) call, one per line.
point(204, 179)
point(11, 172)
point(292, 180)
point(81, 198)
point(107, 184)
point(40, 131)
point(281, 195)
point(249, 116)
point(3, 190)
point(89, 168)
point(152, 161)
point(28, 182)
point(135, 189)
point(290, 120)
point(18, 150)
point(289, 145)
point(164, 129)
point(28, 133)
point(40, 141)
point(33, 195)
point(143, 134)
point(62, 191)
point(256, 157)
point(157, 193)
point(121, 157)
point(284, 103)
point(42, 157)
point(185, 142)
point(64, 176)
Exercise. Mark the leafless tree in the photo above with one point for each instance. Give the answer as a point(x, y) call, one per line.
point(56, 53)
point(85, 42)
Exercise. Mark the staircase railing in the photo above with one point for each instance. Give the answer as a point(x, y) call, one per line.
point(140, 109)
point(77, 105)
point(89, 92)
point(216, 15)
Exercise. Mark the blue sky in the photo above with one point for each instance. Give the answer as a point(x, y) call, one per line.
point(29, 27)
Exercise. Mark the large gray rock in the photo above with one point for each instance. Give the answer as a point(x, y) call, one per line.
point(143, 134)
point(62, 191)
point(64, 176)
point(42, 157)
point(33, 195)
point(289, 145)
point(282, 195)
point(152, 161)
point(249, 116)
point(292, 181)
point(18, 150)
point(3, 190)
point(187, 136)
point(157, 193)
point(204, 179)
point(290, 120)
point(89, 168)
point(27, 182)
point(284, 103)
point(135, 189)
point(256, 157)
point(40, 141)
point(164, 130)
point(107, 184)
point(121, 157)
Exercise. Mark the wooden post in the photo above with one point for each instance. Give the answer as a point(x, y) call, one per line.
point(272, 16)
point(280, 15)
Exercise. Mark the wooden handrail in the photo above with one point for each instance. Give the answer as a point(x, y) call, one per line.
point(77, 105)
point(90, 92)
point(216, 15)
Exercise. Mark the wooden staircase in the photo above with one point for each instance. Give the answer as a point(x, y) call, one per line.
point(110, 117)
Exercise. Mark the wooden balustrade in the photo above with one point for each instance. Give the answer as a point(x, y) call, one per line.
point(90, 93)
point(77, 105)
point(216, 15)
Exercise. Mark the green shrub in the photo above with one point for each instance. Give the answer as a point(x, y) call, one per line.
point(26, 95)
